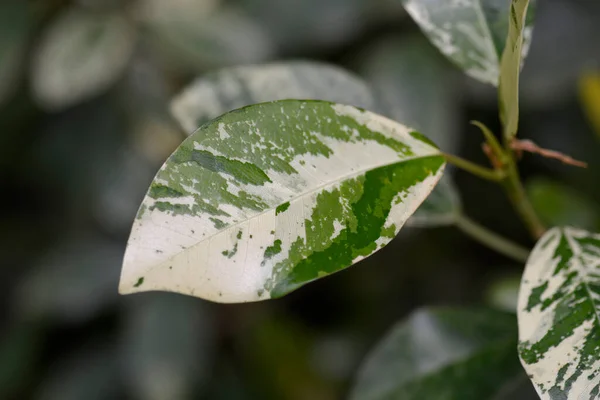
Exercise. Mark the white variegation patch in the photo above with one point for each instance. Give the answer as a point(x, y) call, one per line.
point(559, 315)
point(79, 56)
point(231, 88)
point(249, 252)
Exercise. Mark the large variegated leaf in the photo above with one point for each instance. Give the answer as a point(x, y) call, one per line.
point(448, 354)
point(267, 198)
point(79, 56)
point(510, 67)
point(472, 33)
point(559, 315)
point(236, 87)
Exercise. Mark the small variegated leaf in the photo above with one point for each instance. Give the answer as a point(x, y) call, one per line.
point(80, 55)
point(472, 33)
point(559, 315)
point(231, 88)
point(267, 198)
point(443, 354)
point(441, 207)
point(510, 67)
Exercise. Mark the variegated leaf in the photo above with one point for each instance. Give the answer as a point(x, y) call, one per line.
point(559, 315)
point(510, 67)
point(267, 198)
point(472, 33)
point(443, 354)
point(231, 88)
point(80, 55)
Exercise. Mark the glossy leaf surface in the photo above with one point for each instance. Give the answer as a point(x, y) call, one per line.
point(267, 198)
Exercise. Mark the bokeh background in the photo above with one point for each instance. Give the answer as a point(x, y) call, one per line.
point(76, 158)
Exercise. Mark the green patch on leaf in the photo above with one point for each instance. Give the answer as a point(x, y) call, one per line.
point(242, 171)
point(372, 198)
point(272, 251)
point(282, 208)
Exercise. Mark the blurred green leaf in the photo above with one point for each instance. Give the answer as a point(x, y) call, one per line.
point(416, 86)
point(519, 30)
point(300, 25)
point(232, 88)
point(471, 33)
point(79, 56)
point(440, 208)
point(503, 292)
point(14, 30)
point(191, 38)
point(73, 282)
point(559, 205)
point(168, 346)
point(277, 357)
point(91, 374)
point(445, 354)
point(19, 356)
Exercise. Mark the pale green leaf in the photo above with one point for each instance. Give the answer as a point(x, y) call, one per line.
point(168, 346)
point(510, 67)
point(231, 88)
point(559, 205)
point(472, 33)
point(443, 354)
point(267, 198)
point(441, 207)
point(80, 55)
point(559, 315)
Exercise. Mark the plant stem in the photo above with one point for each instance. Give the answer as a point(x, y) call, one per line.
point(516, 194)
point(492, 239)
point(477, 170)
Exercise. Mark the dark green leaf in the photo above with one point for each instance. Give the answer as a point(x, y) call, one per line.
point(448, 354)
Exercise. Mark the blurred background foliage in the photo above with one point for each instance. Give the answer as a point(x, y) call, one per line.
point(85, 87)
